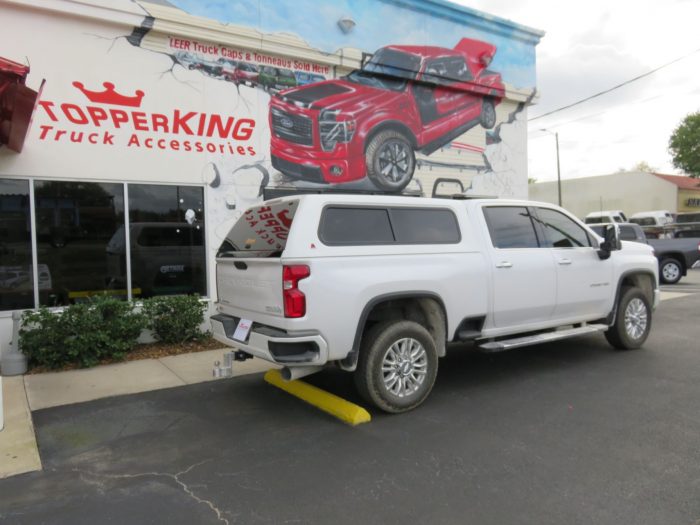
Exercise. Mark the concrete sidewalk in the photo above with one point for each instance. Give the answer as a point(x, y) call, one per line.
point(21, 395)
point(77, 386)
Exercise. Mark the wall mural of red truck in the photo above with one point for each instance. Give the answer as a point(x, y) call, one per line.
point(405, 99)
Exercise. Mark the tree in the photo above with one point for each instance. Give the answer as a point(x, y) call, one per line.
point(684, 145)
point(643, 165)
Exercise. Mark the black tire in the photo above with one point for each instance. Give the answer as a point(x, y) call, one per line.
point(670, 271)
point(390, 160)
point(488, 114)
point(626, 336)
point(370, 378)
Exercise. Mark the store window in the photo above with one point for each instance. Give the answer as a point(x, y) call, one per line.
point(79, 229)
point(16, 276)
point(167, 240)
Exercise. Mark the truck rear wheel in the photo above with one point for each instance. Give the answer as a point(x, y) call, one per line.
point(632, 322)
point(397, 366)
point(390, 160)
point(670, 271)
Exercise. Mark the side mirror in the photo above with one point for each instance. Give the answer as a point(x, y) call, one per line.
point(611, 241)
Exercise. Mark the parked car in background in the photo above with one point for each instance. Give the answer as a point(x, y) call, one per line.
point(275, 79)
point(304, 78)
point(228, 68)
point(246, 74)
point(675, 256)
point(607, 216)
point(211, 68)
point(186, 59)
point(166, 258)
point(652, 218)
point(656, 224)
point(628, 231)
point(687, 225)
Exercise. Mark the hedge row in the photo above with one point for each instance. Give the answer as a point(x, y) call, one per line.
point(105, 327)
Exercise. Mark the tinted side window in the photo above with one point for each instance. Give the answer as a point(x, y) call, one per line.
point(560, 230)
point(356, 226)
point(510, 227)
point(424, 226)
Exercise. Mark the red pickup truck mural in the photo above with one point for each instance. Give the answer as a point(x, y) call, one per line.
point(372, 121)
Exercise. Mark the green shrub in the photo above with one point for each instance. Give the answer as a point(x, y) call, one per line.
point(82, 334)
point(175, 318)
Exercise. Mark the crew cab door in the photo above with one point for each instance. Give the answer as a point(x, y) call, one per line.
point(523, 274)
point(584, 281)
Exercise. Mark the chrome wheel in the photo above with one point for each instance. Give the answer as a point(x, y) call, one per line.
point(636, 318)
point(395, 161)
point(404, 367)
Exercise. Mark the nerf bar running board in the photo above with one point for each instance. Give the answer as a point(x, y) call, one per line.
point(507, 344)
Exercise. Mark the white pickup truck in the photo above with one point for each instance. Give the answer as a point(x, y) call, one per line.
point(378, 285)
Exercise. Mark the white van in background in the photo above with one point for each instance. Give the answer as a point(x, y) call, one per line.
point(599, 217)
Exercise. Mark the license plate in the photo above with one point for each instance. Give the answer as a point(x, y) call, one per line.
point(242, 330)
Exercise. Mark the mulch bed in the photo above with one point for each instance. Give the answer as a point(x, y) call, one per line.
point(146, 351)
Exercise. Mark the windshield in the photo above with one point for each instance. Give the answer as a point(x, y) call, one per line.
point(387, 69)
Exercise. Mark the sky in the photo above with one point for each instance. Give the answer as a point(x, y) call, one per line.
point(316, 22)
point(594, 45)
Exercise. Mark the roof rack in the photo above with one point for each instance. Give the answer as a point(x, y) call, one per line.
point(277, 192)
point(469, 196)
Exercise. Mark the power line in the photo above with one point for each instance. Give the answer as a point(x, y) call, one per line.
point(605, 111)
point(614, 87)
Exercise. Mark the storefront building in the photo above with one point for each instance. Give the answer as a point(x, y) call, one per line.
point(631, 192)
point(155, 128)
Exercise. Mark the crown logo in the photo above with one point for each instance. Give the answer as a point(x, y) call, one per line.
point(110, 96)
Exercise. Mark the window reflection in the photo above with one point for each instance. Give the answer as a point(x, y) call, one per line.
point(167, 240)
point(16, 291)
point(76, 222)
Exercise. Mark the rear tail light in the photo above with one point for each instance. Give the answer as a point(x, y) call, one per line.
point(294, 299)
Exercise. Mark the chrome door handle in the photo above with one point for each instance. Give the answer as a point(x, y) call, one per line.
point(504, 264)
point(564, 261)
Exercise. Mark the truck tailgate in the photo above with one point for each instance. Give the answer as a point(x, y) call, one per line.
point(251, 285)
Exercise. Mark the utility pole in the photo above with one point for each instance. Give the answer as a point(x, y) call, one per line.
point(556, 140)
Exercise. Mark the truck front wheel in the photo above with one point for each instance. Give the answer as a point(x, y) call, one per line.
point(632, 320)
point(397, 366)
point(390, 160)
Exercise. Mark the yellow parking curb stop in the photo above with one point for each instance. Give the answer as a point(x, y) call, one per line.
point(336, 406)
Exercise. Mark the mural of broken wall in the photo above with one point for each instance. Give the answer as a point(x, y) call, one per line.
point(275, 97)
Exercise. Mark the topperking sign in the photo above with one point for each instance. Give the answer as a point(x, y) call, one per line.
point(109, 118)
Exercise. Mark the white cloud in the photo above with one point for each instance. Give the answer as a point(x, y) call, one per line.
point(594, 45)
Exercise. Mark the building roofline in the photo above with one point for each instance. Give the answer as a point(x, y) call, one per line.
point(682, 181)
point(473, 17)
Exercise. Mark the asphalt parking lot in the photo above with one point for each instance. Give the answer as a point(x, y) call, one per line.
point(571, 432)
